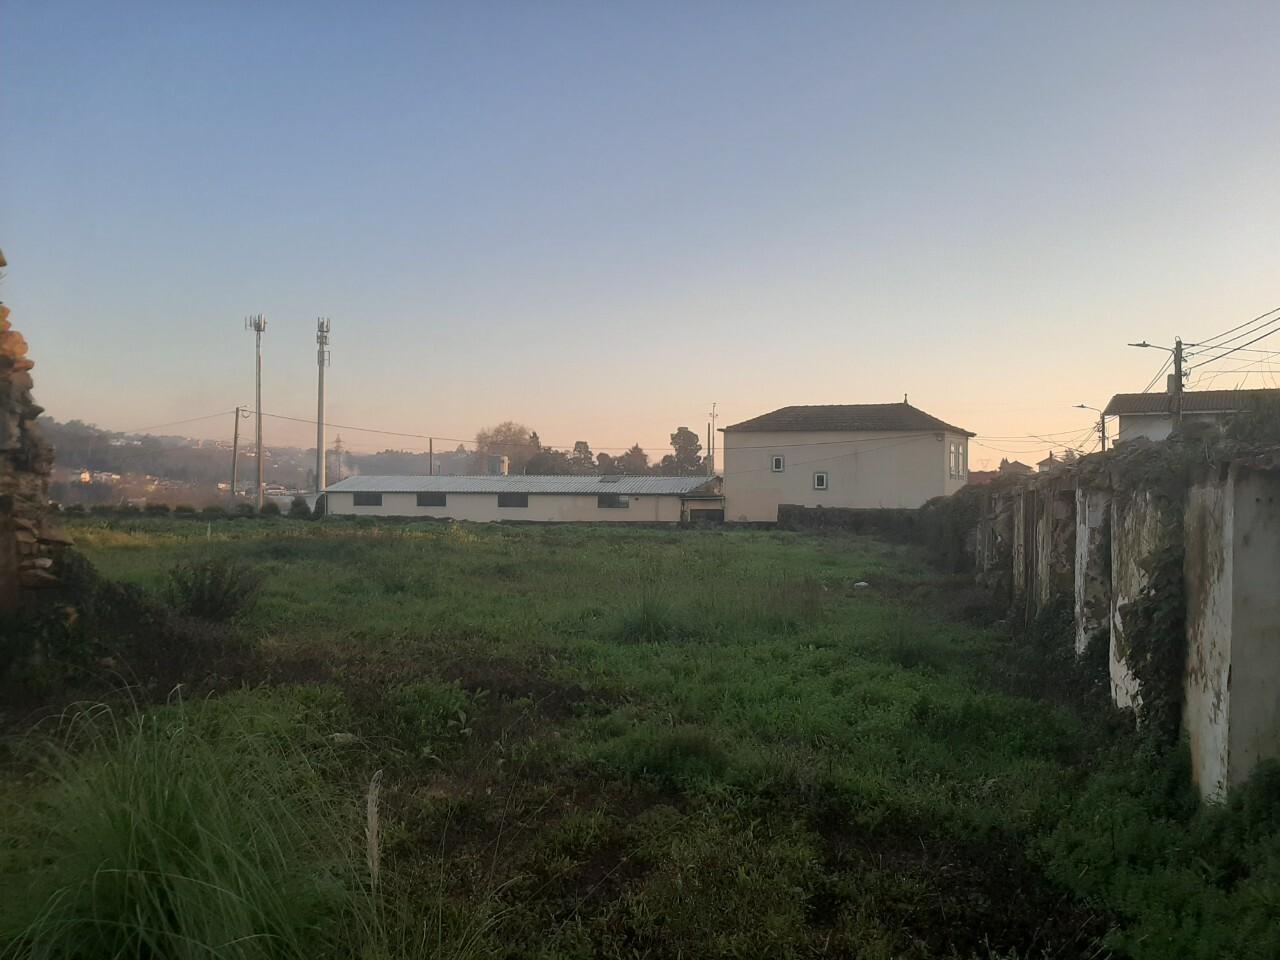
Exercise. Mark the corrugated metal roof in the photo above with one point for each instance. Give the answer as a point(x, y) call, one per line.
point(628, 485)
point(848, 417)
point(1193, 401)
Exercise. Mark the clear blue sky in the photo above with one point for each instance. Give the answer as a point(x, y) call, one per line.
point(599, 217)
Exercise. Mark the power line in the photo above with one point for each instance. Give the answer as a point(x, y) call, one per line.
point(1159, 373)
point(1274, 329)
point(1262, 316)
point(175, 423)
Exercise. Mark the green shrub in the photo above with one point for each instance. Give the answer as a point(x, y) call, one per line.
point(184, 510)
point(216, 588)
point(195, 831)
point(213, 512)
point(298, 509)
point(76, 508)
point(245, 510)
point(270, 509)
point(425, 713)
point(157, 510)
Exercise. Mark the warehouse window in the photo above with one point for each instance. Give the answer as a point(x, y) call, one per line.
point(777, 464)
point(612, 501)
point(431, 499)
point(513, 499)
point(820, 481)
point(366, 499)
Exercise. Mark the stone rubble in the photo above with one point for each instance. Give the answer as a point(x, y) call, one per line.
point(28, 543)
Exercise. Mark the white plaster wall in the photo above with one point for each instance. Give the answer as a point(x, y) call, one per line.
point(1254, 673)
point(1092, 578)
point(866, 470)
point(1209, 574)
point(1137, 526)
point(483, 507)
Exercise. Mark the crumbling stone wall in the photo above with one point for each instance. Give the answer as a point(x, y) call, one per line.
point(26, 539)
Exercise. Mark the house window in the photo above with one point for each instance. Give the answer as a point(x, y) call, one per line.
point(431, 499)
point(777, 464)
point(613, 501)
point(955, 461)
point(366, 499)
point(513, 499)
point(820, 481)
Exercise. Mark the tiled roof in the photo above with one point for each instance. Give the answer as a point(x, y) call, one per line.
point(629, 485)
point(1193, 401)
point(848, 418)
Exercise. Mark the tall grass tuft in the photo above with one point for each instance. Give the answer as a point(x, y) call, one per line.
point(192, 831)
point(216, 588)
point(648, 617)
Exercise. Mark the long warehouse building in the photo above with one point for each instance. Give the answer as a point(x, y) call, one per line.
point(546, 499)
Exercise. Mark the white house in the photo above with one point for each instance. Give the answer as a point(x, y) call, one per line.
point(530, 498)
point(1150, 415)
point(846, 455)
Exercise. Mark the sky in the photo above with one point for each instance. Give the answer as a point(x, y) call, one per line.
point(599, 218)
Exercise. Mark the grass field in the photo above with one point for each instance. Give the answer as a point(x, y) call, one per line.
point(614, 743)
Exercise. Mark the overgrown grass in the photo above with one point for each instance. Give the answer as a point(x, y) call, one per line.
point(622, 742)
point(197, 830)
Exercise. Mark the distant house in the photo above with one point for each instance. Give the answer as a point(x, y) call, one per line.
point(845, 455)
point(530, 498)
point(1014, 468)
point(980, 478)
point(1151, 415)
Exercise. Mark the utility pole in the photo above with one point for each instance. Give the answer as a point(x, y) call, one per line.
point(322, 361)
point(235, 456)
point(1177, 382)
point(1102, 422)
point(1175, 385)
point(711, 442)
point(431, 456)
point(258, 323)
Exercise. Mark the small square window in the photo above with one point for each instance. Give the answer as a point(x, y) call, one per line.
point(513, 499)
point(777, 465)
point(820, 481)
point(613, 501)
point(366, 499)
point(431, 499)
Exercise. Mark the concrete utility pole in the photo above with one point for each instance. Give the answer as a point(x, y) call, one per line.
point(1175, 379)
point(235, 456)
point(711, 442)
point(1102, 422)
point(431, 456)
point(258, 323)
point(322, 361)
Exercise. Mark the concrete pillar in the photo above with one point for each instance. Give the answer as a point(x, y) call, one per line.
point(1092, 572)
point(1232, 686)
point(1139, 530)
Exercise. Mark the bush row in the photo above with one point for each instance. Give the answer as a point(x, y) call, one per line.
point(298, 510)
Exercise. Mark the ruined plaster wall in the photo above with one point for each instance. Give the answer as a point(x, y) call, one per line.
point(1092, 563)
point(1055, 543)
point(1139, 527)
point(1254, 673)
point(1206, 687)
point(1021, 498)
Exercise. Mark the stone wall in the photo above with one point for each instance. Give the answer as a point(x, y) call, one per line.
point(27, 541)
point(1121, 522)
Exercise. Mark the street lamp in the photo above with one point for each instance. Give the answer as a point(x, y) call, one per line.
point(1102, 421)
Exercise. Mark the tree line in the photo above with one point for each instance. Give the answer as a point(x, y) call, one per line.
point(526, 454)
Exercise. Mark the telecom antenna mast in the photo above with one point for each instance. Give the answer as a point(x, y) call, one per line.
point(322, 361)
point(258, 323)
